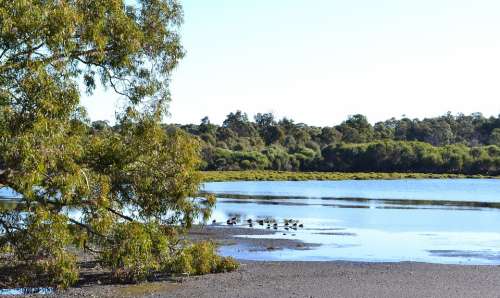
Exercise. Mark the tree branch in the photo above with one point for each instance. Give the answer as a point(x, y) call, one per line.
point(3, 52)
point(108, 75)
point(89, 229)
point(85, 246)
point(47, 60)
point(120, 214)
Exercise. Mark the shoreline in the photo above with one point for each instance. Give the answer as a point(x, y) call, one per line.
point(225, 236)
point(344, 279)
point(264, 175)
point(305, 278)
point(316, 279)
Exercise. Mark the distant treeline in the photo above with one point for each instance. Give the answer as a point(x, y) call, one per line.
point(461, 144)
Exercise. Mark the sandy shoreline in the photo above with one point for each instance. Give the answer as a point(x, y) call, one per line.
point(319, 279)
point(345, 279)
point(308, 279)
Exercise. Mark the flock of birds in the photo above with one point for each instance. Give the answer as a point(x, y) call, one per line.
point(269, 223)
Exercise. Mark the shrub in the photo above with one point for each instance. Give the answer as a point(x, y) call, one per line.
point(42, 248)
point(201, 258)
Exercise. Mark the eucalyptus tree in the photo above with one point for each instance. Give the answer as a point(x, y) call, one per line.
point(121, 194)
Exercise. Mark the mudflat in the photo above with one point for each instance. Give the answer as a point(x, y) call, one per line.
point(318, 279)
point(308, 279)
point(344, 279)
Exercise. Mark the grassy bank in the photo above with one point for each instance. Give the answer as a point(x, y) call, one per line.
point(211, 176)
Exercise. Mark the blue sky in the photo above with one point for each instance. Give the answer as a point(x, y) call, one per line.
point(318, 61)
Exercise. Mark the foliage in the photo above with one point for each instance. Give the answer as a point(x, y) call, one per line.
point(138, 251)
point(132, 185)
point(42, 247)
point(141, 250)
point(201, 258)
point(446, 144)
point(495, 137)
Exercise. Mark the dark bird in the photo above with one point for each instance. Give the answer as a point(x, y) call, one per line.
point(301, 226)
point(214, 222)
point(249, 220)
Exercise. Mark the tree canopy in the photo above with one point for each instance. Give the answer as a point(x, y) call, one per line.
point(122, 193)
point(461, 144)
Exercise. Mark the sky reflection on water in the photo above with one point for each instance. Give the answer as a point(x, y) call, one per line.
point(438, 221)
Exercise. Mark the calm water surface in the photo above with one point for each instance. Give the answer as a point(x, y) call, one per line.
point(453, 221)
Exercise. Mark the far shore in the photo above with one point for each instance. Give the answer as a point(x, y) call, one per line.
point(263, 175)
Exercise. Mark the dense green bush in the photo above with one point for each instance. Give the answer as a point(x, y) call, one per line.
point(380, 156)
point(399, 156)
point(446, 144)
point(201, 258)
point(142, 250)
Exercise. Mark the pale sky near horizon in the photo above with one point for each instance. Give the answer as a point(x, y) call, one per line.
point(318, 61)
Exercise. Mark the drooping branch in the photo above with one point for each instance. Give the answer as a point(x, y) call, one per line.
point(108, 75)
point(47, 60)
point(120, 214)
point(88, 228)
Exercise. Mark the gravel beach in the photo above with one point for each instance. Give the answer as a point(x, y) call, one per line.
point(307, 279)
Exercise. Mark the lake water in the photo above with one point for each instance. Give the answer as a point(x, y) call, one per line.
point(455, 221)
